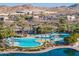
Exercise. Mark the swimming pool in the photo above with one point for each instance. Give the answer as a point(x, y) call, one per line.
point(32, 42)
point(53, 36)
point(56, 52)
point(24, 42)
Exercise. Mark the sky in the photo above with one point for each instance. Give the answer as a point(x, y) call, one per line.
point(39, 4)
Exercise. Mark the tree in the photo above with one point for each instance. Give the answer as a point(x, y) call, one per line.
point(62, 20)
point(29, 18)
point(43, 30)
point(72, 39)
point(2, 33)
point(62, 24)
point(66, 40)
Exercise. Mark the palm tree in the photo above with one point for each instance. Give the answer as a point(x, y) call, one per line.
point(3, 39)
point(10, 33)
point(2, 31)
point(62, 22)
point(12, 39)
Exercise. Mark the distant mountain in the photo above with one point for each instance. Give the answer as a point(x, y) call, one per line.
point(4, 9)
point(62, 9)
point(74, 6)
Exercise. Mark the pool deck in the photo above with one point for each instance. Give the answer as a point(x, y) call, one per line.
point(45, 50)
point(48, 49)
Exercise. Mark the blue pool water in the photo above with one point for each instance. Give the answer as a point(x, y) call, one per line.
point(32, 42)
point(52, 35)
point(25, 42)
point(56, 52)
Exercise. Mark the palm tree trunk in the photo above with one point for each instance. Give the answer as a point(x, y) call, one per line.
point(3, 43)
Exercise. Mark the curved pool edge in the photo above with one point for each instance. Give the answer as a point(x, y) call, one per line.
point(42, 51)
point(9, 42)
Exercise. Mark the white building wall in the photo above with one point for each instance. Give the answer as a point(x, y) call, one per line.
point(71, 18)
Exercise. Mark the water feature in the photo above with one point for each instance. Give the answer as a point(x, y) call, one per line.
point(56, 52)
point(25, 42)
point(31, 42)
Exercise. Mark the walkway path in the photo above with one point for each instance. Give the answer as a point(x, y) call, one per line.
point(45, 50)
